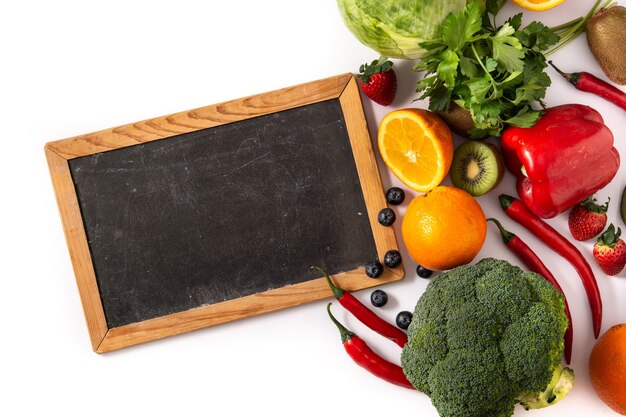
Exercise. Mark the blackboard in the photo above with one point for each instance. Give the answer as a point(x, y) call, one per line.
point(223, 212)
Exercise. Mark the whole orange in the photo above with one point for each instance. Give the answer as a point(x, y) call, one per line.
point(607, 368)
point(444, 228)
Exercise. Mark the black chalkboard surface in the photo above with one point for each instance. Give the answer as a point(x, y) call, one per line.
point(218, 213)
point(222, 213)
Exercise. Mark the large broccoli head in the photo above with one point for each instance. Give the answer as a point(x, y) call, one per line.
point(486, 337)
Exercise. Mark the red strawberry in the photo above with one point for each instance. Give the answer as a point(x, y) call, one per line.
point(610, 251)
point(587, 219)
point(378, 81)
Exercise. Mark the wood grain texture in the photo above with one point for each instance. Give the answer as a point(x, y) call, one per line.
point(201, 118)
point(369, 175)
point(104, 339)
point(78, 247)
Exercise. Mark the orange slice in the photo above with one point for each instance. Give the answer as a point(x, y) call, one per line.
point(538, 5)
point(417, 147)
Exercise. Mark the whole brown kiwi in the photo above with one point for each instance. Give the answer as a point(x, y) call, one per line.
point(606, 35)
point(458, 119)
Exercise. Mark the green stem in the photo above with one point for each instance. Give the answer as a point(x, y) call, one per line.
point(506, 235)
point(505, 200)
point(345, 333)
point(565, 26)
point(572, 78)
point(337, 292)
point(493, 82)
point(575, 30)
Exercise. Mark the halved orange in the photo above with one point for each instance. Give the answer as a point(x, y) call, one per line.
point(417, 146)
point(538, 5)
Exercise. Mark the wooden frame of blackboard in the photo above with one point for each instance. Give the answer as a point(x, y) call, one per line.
point(58, 153)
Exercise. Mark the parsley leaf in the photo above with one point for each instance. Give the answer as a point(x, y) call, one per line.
point(487, 114)
point(495, 72)
point(458, 28)
point(537, 36)
point(468, 67)
point(439, 99)
point(446, 70)
point(526, 117)
point(479, 88)
point(507, 49)
point(491, 65)
point(494, 6)
point(515, 21)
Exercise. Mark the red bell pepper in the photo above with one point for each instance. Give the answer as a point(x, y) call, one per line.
point(564, 158)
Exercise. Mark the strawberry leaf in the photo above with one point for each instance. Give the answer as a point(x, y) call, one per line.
point(590, 205)
point(610, 237)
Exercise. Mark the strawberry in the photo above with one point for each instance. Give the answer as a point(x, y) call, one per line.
point(587, 219)
point(610, 251)
point(378, 81)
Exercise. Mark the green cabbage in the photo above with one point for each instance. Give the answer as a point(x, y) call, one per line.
point(394, 28)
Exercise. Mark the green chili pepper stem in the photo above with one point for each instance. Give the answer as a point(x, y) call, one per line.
point(345, 333)
point(571, 77)
point(506, 235)
point(337, 292)
point(505, 200)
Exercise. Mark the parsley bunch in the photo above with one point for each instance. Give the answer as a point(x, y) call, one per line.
point(494, 72)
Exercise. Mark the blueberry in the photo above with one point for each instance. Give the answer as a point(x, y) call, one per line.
point(373, 269)
point(403, 319)
point(386, 217)
point(423, 272)
point(393, 258)
point(379, 298)
point(394, 196)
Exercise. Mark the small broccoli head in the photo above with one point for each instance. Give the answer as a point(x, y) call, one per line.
point(484, 335)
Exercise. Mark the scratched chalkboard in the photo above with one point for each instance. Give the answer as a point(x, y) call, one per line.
point(221, 213)
point(214, 214)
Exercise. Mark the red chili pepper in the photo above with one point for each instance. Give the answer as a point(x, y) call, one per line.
point(532, 262)
point(589, 83)
point(564, 158)
point(365, 357)
point(516, 210)
point(365, 315)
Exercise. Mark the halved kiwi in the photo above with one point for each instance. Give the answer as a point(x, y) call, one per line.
point(477, 167)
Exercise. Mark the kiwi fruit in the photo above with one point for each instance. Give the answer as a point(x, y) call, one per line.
point(606, 36)
point(477, 167)
point(458, 119)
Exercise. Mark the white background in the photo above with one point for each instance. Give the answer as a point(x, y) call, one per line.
point(73, 67)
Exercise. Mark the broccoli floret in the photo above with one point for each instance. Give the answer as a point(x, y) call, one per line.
point(486, 337)
point(530, 353)
point(468, 380)
point(472, 326)
point(508, 299)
